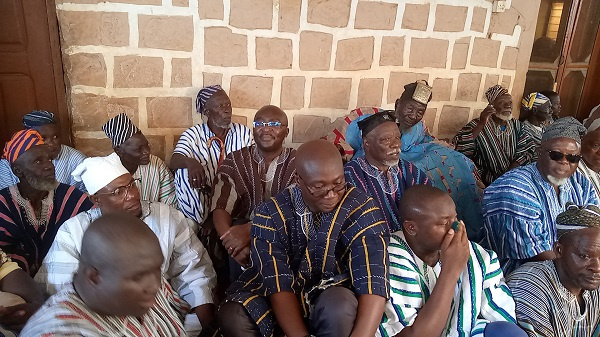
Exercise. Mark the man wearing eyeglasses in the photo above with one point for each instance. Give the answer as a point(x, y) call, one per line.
point(520, 207)
point(186, 264)
point(246, 178)
point(318, 258)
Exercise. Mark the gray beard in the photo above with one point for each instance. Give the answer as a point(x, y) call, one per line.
point(556, 182)
point(224, 126)
point(42, 185)
point(504, 117)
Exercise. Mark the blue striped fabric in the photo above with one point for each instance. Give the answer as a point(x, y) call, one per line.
point(66, 162)
point(520, 210)
point(193, 143)
point(480, 297)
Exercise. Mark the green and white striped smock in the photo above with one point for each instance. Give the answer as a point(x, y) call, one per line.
point(481, 295)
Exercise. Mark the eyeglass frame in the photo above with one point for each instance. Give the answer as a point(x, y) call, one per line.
point(564, 156)
point(126, 187)
point(275, 124)
point(314, 193)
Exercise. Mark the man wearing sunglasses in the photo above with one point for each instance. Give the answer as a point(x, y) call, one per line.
point(246, 178)
point(112, 189)
point(520, 207)
point(318, 258)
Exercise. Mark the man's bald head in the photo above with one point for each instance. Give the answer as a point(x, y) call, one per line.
point(418, 200)
point(317, 155)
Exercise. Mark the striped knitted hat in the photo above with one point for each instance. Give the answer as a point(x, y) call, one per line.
point(494, 92)
point(577, 217)
point(38, 118)
point(20, 142)
point(204, 95)
point(534, 100)
point(119, 129)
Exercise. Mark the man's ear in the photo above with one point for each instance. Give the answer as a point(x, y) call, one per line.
point(365, 142)
point(409, 227)
point(558, 249)
point(94, 199)
point(92, 275)
point(16, 170)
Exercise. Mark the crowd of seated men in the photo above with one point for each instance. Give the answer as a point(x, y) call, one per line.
point(494, 234)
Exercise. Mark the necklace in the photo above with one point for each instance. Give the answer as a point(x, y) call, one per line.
point(33, 218)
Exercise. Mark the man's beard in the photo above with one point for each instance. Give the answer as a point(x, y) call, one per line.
point(222, 125)
point(504, 117)
point(43, 184)
point(555, 181)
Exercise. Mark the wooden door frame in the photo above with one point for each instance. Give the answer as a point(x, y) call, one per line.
point(589, 94)
point(59, 74)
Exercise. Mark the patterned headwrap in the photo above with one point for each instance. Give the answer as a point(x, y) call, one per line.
point(577, 217)
point(566, 127)
point(119, 129)
point(204, 95)
point(38, 118)
point(20, 142)
point(494, 92)
point(534, 100)
point(419, 91)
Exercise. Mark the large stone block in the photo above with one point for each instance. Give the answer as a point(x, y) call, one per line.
point(90, 112)
point(506, 81)
point(93, 147)
point(431, 53)
point(354, 54)
point(138, 72)
point(289, 15)
point(505, 22)
point(94, 28)
point(157, 145)
point(166, 32)
point(452, 119)
point(450, 18)
point(442, 88)
point(398, 81)
point(375, 15)
point(485, 52)
point(210, 9)
point(392, 51)
point(169, 112)
point(251, 14)
point(86, 69)
point(509, 58)
point(370, 91)
point(315, 50)
point(478, 20)
point(333, 93)
point(415, 16)
point(252, 92)
point(468, 87)
point(212, 79)
point(460, 53)
point(181, 73)
point(332, 13)
point(224, 48)
point(292, 92)
point(307, 127)
point(180, 3)
point(135, 2)
point(273, 53)
point(490, 81)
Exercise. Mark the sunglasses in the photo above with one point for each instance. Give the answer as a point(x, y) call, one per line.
point(558, 156)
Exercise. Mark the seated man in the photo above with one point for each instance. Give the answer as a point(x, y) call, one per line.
point(201, 150)
point(590, 153)
point(186, 266)
point(250, 176)
point(118, 289)
point(19, 296)
point(381, 173)
point(537, 113)
point(561, 297)
point(495, 141)
point(64, 158)
point(520, 207)
point(32, 210)
point(316, 243)
point(155, 180)
point(441, 283)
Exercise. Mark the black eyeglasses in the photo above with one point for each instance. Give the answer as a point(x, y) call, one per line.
point(121, 191)
point(320, 192)
point(558, 156)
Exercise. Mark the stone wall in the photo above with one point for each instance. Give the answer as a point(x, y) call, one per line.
point(317, 59)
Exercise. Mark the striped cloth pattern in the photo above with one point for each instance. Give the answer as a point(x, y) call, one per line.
point(493, 150)
point(193, 143)
point(20, 142)
point(385, 188)
point(156, 181)
point(66, 162)
point(65, 314)
point(546, 308)
point(481, 296)
point(119, 129)
point(535, 133)
point(592, 176)
point(520, 210)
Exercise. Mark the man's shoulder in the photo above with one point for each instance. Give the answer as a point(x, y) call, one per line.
point(537, 274)
point(68, 190)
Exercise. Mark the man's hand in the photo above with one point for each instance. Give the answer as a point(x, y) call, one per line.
point(487, 113)
point(237, 238)
point(196, 174)
point(454, 253)
point(243, 257)
point(15, 317)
